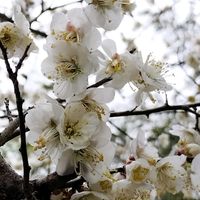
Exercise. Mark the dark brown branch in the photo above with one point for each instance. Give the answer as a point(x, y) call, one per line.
point(21, 60)
point(45, 186)
point(11, 182)
point(37, 32)
point(9, 132)
point(4, 18)
point(186, 108)
point(99, 83)
point(19, 102)
point(119, 129)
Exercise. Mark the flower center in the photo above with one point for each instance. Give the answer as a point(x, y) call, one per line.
point(8, 37)
point(139, 174)
point(115, 65)
point(70, 35)
point(67, 69)
point(105, 185)
point(71, 130)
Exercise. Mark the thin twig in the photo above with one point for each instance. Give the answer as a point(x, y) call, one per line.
point(119, 129)
point(8, 112)
point(43, 10)
point(99, 83)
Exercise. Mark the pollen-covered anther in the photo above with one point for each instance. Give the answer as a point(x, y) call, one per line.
point(105, 185)
point(103, 3)
point(91, 105)
point(40, 143)
point(70, 131)
point(70, 35)
point(91, 155)
point(67, 69)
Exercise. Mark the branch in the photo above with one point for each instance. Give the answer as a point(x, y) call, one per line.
point(19, 64)
point(43, 10)
point(119, 129)
point(99, 83)
point(186, 108)
point(19, 102)
point(11, 182)
point(45, 186)
point(37, 32)
point(9, 132)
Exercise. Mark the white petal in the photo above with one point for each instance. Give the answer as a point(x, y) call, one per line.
point(196, 164)
point(102, 95)
point(59, 22)
point(48, 69)
point(109, 47)
point(66, 163)
point(92, 39)
point(20, 20)
point(103, 136)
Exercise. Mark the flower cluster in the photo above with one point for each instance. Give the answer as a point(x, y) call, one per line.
point(74, 134)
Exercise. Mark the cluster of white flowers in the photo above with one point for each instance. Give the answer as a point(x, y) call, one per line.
point(74, 134)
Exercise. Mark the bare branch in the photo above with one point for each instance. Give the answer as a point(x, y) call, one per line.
point(12, 182)
point(45, 186)
point(19, 102)
point(186, 108)
point(99, 83)
point(9, 132)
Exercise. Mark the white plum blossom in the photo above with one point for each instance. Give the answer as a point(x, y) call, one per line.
point(120, 67)
point(73, 27)
point(79, 128)
point(69, 66)
point(99, 190)
point(43, 121)
point(187, 135)
point(15, 37)
point(150, 78)
point(141, 149)
point(107, 14)
point(91, 162)
point(138, 171)
point(189, 142)
point(126, 190)
point(169, 175)
point(94, 99)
